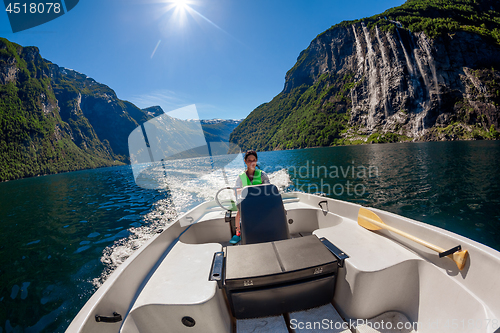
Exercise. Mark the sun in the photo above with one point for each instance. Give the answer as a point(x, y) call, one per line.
point(176, 5)
point(175, 11)
point(176, 14)
point(180, 3)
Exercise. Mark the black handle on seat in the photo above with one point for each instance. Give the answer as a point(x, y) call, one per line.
point(338, 253)
point(217, 268)
point(103, 319)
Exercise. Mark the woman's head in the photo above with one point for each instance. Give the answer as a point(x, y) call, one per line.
point(250, 153)
point(251, 159)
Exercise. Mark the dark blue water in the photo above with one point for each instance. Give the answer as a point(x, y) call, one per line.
point(61, 235)
point(53, 233)
point(452, 185)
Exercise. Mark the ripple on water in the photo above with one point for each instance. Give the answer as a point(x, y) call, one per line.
point(121, 234)
point(133, 217)
point(24, 290)
point(14, 292)
point(83, 248)
point(47, 319)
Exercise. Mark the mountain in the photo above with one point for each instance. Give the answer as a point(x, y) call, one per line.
point(427, 70)
point(54, 119)
point(169, 138)
point(217, 130)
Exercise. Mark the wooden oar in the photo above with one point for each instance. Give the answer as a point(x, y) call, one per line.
point(369, 220)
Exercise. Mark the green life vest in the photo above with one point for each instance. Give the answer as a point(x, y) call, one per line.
point(245, 181)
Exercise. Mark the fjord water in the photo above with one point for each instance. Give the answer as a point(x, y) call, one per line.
point(62, 235)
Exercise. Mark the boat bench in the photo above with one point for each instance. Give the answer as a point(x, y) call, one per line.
point(382, 276)
point(272, 278)
point(179, 293)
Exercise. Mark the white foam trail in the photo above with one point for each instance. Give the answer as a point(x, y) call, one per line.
point(186, 195)
point(281, 179)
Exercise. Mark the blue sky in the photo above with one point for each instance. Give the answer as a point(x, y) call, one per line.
point(226, 57)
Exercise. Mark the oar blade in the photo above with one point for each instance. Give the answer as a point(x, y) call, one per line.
point(364, 217)
point(460, 258)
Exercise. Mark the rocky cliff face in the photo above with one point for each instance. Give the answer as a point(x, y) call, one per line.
point(405, 82)
point(54, 119)
point(94, 111)
point(374, 80)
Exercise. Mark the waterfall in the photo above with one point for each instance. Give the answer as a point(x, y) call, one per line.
point(394, 49)
point(393, 82)
point(430, 60)
point(359, 53)
point(415, 83)
point(360, 72)
point(408, 60)
point(384, 73)
point(421, 67)
point(385, 58)
point(372, 78)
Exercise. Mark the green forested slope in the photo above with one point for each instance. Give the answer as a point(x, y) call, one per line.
point(305, 117)
point(44, 127)
point(436, 17)
point(315, 106)
point(33, 138)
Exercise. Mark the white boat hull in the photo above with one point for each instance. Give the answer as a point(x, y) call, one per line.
point(167, 278)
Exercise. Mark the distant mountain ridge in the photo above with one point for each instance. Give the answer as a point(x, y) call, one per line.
point(427, 70)
point(54, 119)
point(217, 130)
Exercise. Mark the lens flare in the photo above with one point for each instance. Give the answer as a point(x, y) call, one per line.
point(180, 3)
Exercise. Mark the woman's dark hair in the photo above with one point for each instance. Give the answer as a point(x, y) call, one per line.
point(251, 152)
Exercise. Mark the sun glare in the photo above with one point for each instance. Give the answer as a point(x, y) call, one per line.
point(180, 3)
point(177, 13)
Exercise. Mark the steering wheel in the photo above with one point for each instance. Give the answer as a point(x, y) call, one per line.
point(227, 204)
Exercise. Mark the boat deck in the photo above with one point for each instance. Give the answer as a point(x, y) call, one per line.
point(325, 319)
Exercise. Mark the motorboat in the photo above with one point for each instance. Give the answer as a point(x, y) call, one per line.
point(305, 263)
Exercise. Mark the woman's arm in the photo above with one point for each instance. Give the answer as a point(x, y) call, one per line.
point(265, 178)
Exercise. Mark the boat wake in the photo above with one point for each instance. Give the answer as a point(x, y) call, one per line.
point(184, 193)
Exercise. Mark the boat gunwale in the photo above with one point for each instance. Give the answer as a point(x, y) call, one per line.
point(175, 231)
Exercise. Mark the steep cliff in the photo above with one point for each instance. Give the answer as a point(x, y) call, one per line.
point(53, 119)
point(428, 70)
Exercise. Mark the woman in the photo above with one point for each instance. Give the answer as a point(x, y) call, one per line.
point(251, 176)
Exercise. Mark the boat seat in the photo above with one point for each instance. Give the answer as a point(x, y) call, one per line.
point(179, 288)
point(272, 278)
point(263, 217)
